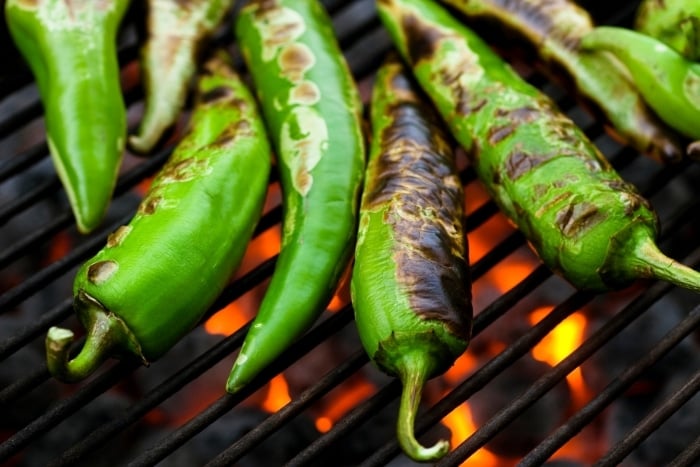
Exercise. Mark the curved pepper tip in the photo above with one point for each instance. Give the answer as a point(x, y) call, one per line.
point(105, 332)
point(414, 373)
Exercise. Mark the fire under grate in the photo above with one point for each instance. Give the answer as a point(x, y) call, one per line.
point(625, 392)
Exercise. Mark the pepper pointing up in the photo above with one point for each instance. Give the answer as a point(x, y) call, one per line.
point(71, 49)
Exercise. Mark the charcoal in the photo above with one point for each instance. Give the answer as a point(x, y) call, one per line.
point(208, 387)
point(533, 425)
point(669, 439)
point(102, 410)
point(17, 413)
point(218, 436)
point(633, 343)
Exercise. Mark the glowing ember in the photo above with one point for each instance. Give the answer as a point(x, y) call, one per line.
point(461, 425)
point(277, 395)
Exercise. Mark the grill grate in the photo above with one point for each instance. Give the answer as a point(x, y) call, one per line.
point(31, 188)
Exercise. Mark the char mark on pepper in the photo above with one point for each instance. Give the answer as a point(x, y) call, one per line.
point(542, 16)
point(430, 251)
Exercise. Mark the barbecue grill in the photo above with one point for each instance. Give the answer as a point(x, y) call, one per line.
point(637, 356)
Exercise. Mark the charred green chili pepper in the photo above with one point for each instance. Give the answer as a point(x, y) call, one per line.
point(669, 82)
point(583, 220)
point(313, 110)
point(157, 275)
point(674, 22)
point(410, 284)
point(177, 30)
point(71, 48)
point(554, 28)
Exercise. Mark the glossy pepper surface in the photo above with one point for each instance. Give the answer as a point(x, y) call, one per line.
point(669, 82)
point(176, 34)
point(584, 221)
point(554, 29)
point(313, 110)
point(674, 22)
point(157, 275)
point(410, 284)
point(70, 47)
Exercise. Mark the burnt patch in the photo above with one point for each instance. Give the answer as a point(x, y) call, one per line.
point(521, 162)
point(241, 128)
point(422, 39)
point(415, 181)
point(496, 134)
point(100, 272)
point(305, 93)
point(548, 19)
point(576, 218)
point(149, 205)
point(216, 94)
point(117, 237)
point(294, 60)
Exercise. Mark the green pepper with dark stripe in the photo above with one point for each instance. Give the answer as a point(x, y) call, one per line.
point(674, 22)
point(580, 216)
point(71, 49)
point(410, 285)
point(669, 82)
point(313, 111)
point(158, 275)
point(554, 29)
point(177, 32)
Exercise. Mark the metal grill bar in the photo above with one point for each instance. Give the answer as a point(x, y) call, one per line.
point(689, 457)
point(169, 444)
point(656, 418)
point(364, 43)
point(522, 402)
point(275, 421)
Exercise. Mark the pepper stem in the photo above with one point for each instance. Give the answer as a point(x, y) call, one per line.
point(414, 370)
point(105, 332)
point(651, 263)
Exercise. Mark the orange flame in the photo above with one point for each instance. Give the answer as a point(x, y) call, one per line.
point(277, 394)
point(227, 320)
point(60, 246)
point(342, 402)
point(461, 425)
point(560, 343)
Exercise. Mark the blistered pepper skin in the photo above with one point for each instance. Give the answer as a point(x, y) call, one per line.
point(410, 285)
point(70, 47)
point(157, 276)
point(674, 22)
point(176, 33)
point(312, 108)
point(554, 28)
point(583, 220)
point(669, 82)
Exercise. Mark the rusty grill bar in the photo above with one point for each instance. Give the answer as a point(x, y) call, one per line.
point(364, 43)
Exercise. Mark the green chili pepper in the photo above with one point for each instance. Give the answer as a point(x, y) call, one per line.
point(177, 31)
point(71, 48)
point(410, 285)
point(313, 110)
point(583, 220)
point(674, 22)
point(157, 275)
point(554, 28)
point(669, 82)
